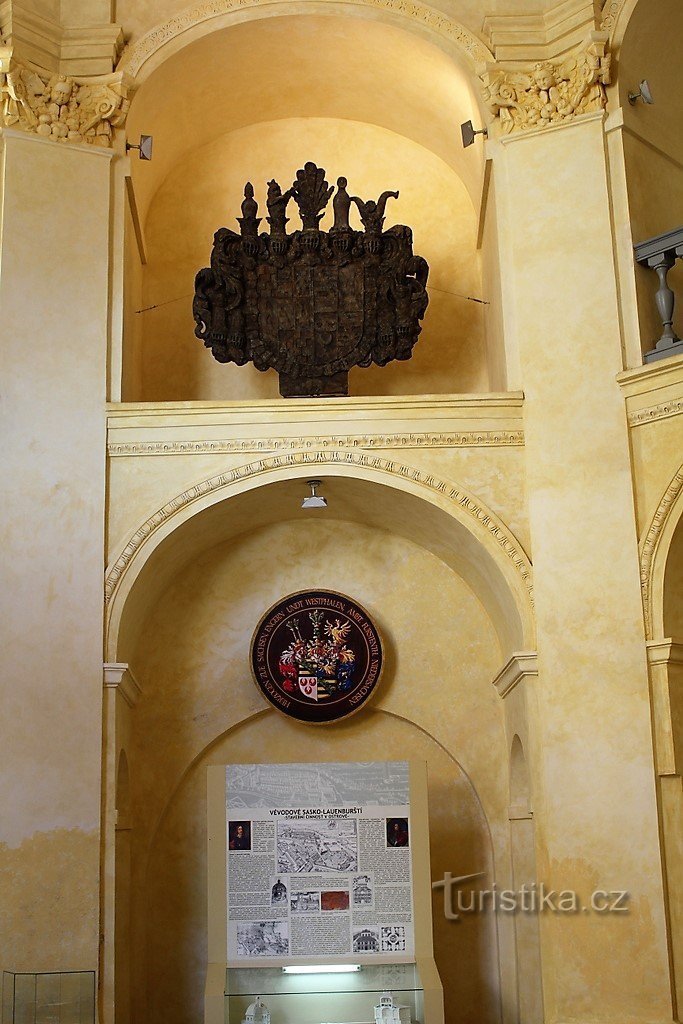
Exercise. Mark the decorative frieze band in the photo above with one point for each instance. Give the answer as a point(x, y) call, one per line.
point(655, 412)
point(455, 439)
point(483, 516)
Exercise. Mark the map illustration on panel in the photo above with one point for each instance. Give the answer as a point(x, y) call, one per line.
point(326, 844)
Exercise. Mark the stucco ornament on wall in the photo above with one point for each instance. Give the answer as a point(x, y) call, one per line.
point(549, 92)
point(61, 108)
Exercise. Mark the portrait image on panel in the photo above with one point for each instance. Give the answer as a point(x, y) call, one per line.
point(239, 835)
point(397, 832)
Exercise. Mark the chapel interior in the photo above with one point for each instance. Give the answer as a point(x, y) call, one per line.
point(507, 504)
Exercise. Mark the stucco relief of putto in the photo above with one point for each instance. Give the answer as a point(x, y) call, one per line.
point(59, 107)
point(549, 92)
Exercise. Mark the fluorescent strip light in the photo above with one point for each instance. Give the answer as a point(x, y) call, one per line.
point(322, 969)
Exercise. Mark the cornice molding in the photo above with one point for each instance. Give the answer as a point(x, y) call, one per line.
point(451, 439)
point(71, 49)
point(523, 665)
point(119, 676)
point(651, 543)
point(483, 517)
point(138, 53)
point(541, 35)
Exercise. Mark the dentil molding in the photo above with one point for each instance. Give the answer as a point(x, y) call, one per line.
point(479, 514)
point(454, 439)
point(656, 412)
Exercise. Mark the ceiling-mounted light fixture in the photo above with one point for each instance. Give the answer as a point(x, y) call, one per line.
point(314, 500)
point(643, 94)
point(144, 147)
point(468, 132)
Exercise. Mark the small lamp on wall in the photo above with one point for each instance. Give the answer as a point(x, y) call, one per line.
point(144, 147)
point(643, 94)
point(468, 132)
point(314, 500)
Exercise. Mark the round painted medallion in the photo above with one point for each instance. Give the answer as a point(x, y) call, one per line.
point(316, 656)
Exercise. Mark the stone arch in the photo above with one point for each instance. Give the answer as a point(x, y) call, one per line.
point(654, 553)
point(496, 559)
point(142, 56)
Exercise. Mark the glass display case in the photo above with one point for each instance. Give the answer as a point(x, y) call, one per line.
point(324, 998)
point(51, 998)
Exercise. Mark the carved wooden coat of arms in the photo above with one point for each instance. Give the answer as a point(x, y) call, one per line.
point(311, 304)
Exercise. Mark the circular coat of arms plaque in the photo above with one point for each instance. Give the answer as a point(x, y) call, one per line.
point(316, 656)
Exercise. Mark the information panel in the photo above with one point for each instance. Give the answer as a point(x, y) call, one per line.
point(319, 861)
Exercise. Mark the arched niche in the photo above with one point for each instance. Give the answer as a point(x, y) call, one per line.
point(225, 108)
point(170, 903)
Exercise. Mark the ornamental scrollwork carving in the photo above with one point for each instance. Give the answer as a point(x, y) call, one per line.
point(550, 92)
point(61, 108)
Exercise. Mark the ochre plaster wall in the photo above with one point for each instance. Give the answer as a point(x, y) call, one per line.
point(192, 664)
point(54, 297)
point(204, 191)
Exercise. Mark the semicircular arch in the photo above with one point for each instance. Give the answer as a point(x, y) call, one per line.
point(654, 555)
point(442, 517)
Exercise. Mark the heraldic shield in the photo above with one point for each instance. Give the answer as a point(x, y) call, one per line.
point(311, 304)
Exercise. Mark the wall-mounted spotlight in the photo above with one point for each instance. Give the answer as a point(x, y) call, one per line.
point(468, 132)
point(144, 147)
point(314, 500)
point(643, 94)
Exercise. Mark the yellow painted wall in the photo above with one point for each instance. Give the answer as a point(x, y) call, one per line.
point(54, 314)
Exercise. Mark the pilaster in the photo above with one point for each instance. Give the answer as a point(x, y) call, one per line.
point(589, 723)
point(121, 693)
point(54, 298)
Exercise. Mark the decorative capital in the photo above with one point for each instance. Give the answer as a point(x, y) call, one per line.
point(59, 107)
point(550, 91)
point(118, 676)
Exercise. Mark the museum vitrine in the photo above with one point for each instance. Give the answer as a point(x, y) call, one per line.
point(372, 994)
